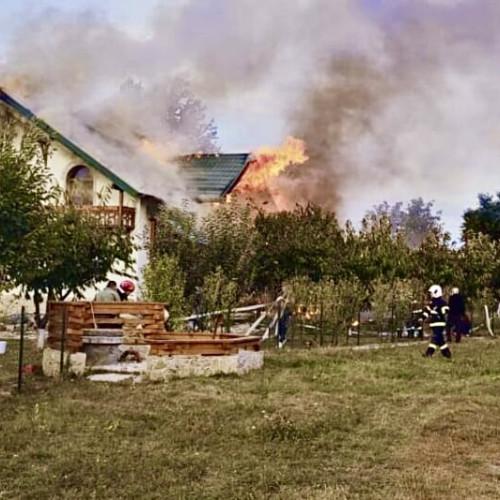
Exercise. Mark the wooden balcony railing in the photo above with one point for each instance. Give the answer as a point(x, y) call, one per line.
point(112, 216)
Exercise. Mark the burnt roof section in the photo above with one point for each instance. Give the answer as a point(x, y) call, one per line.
point(209, 176)
point(212, 176)
point(56, 136)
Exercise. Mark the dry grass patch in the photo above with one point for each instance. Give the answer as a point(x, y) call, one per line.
point(313, 424)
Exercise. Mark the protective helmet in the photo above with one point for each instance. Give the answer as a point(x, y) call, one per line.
point(436, 291)
point(127, 286)
point(455, 291)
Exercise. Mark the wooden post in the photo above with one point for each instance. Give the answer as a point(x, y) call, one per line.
point(21, 353)
point(63, 340)
point(120, 208)
point(277, 327)
point(321, 323)
point(359, 327)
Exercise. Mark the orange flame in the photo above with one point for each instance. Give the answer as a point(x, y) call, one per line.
point(269, 163)
point(20, 85)
point(150, 149)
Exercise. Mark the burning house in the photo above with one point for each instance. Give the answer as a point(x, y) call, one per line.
point(100, 180)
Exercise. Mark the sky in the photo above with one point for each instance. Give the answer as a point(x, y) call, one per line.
point(421, 85)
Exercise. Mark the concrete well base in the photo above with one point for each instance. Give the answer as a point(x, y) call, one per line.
point(163, 368)
point(52, 358)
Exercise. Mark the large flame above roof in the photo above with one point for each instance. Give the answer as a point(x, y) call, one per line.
point(270, 162)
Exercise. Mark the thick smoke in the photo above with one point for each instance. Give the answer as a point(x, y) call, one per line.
point(419, 121)
point(395, 99)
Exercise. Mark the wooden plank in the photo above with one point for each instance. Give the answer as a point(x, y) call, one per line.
point(194, 350)
point(70, 324)
point(69, 331)
point(141, 331)
point(128, 306)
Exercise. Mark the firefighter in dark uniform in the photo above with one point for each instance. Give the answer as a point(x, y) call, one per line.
point(436, 313)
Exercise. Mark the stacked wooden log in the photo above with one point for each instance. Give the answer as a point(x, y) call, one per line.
point(72, 318)
point(137, 320)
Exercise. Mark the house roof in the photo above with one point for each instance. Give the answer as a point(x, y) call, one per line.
point(209, 177)
point(77, 151)
point(213, 175)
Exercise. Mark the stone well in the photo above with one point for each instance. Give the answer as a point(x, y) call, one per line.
point(130, 338)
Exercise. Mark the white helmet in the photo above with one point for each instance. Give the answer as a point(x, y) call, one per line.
point(436, 291)
point(455, 291)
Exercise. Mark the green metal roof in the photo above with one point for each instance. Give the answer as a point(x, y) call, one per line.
point(56, 136)
point(212, 176)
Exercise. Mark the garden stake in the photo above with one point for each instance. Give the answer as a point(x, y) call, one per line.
point(359, 327)
point(63, 340)
point(21, 353)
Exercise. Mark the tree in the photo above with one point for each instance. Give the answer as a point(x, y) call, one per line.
point(45, 248)
point(179, 235)
point(25, 192)
point(485, 219)
point(377, 252)
point(164, 281)
point(307, 241)
point(477, 265)
point(183, 114)
point(72, 251)
point(433, 262)
point(229, 237)
point(220, 294)
point(186, 116)
point(415, 221)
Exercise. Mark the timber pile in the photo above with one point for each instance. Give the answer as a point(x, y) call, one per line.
point(205, 344)
point(75, 319)
point(140, 323)
point(136, 320)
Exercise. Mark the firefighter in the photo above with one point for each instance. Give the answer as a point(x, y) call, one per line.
point(436, 313)
point(456, 316)
point(109, 293)
point(125, 289)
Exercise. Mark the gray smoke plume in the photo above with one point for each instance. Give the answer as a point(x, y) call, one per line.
point(420, 120)
point(395, 100)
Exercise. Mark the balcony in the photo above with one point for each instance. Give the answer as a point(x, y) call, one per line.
point(112, 216)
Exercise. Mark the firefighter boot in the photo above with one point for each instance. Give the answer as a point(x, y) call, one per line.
point(445, 351)
point(430, 351)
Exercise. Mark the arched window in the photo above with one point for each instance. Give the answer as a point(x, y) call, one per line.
point(80, 186)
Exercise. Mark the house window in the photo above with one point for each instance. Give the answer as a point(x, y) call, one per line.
point(80, 186)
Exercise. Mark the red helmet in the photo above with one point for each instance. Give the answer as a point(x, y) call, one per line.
point(127, 286)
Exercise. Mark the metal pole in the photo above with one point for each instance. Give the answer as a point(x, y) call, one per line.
point(359, 327)
point(63, 341)
point(277, 331)
point(21, 353)
point(321, 323)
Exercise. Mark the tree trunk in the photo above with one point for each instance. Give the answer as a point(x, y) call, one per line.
point(37, 299)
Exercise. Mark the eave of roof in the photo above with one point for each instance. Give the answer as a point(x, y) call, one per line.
point(55, 135)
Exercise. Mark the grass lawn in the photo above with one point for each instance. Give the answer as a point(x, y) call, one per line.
point(314, 424)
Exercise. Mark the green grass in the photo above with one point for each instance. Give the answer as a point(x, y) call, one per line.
point(314, 424)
